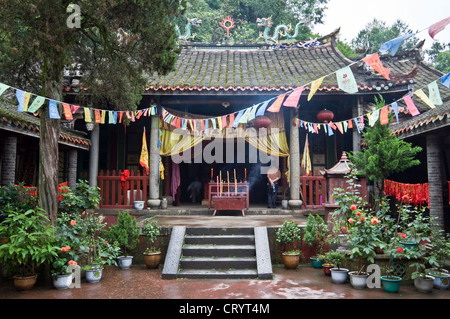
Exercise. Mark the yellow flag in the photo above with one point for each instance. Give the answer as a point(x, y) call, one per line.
point(306, 160)
point(424, 98)
point(143, 160)
point(314, 86)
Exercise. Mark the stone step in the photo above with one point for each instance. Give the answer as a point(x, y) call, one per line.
point(219, 250)
point(218, 273)
point(218, 262)
point(219, 239)
point(219, 231)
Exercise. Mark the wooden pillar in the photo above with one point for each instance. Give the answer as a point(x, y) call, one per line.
point(72, 167)
point(154, 175)
point(93, 155)
point(294, 164)
point(435, 188)
point(9, 155)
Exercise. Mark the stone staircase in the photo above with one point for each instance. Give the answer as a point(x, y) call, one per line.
point(215, 252)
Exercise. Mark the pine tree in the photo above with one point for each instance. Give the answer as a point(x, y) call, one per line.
point(383, 153)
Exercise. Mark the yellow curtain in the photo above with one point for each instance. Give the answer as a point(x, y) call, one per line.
point(273, 144)
point(174, 143)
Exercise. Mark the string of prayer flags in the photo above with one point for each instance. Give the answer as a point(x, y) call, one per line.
point(314, 86)
point(434, 95)
point(394, 44)
point(294, 97)
point(346, 80)
point(374, 61)
point(37, 103)
point(275, 107)
point(3, 88)
point(53, 109)
point(421, 94)
point(384, 118)
point(438, 27)
point(67, 111)
point(411, 106)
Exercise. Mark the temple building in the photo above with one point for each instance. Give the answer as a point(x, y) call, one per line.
point(235, 96)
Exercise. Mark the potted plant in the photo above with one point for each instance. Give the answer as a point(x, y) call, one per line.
point(327, 265)
point(31, 243)
point(152, 256)
point(439, 252)
point(338, 275)
point(61, 274)
point(363, 241)
point(316, 233)
point(288, 236)
point(126, 234)
point(413, 224)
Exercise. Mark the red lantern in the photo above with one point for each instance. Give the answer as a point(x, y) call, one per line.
point(262, 121)
point(325, 116)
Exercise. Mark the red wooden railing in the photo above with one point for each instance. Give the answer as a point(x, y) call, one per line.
point(116, 193)
point(314, 191)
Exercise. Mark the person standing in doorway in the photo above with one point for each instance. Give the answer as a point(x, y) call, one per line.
point(273, 176)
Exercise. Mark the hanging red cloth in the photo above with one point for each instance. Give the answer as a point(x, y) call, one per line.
point(124, 179)
point(417, 193)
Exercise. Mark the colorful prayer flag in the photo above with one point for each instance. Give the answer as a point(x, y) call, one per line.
point(395, 108)
point(306, 159)
point(374, 61)
point(143, 160)
point(275, 107)
point(438, 27)
point(314, 86)
point(26, 101)
point(433, 92)
point(21, 99)
point(87, 115)
point(3, 88)
point(98, 116)
point(53, 109)
point(384, 118)
point(445, 80)
point(37, 103)
point(294, 97)
point(263, 108)
point(67, 111)
point(421, 94)
point(394, 44)
point(373, 117)
point(346, 80)
point(410, 104)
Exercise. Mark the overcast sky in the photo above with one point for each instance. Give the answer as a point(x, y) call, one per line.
point(352, 16)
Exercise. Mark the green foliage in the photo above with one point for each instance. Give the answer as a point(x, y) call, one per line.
point(316, 233)
point(151, 230)
point(288, 233)
point(125, 232)
point(439, 56)
point(335, 257)
point(383, 153)
point(16, 198)
point(77, 200)
point(31, 241)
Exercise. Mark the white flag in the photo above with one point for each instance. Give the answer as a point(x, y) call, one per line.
point(346, 80)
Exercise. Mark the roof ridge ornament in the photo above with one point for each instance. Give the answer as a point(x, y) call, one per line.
point(280, 30)
point(187, 30)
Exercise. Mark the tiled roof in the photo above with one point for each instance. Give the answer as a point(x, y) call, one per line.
point(261, 68)
point(27, 124)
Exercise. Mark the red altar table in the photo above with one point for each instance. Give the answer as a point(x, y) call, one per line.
point(240, 190)
point(229, 203)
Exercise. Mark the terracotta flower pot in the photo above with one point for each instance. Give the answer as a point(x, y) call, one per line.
point(24, 283)
point(326, 269)
point(290, 261)
point(152, 260)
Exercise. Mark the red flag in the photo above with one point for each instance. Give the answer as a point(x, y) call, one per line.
point(438, 27)
point(98, 116)
point(67, 111)
point(374, 61)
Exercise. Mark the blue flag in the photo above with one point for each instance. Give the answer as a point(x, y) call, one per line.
point(21, 99)
point(395, 108)
point(394, 44)
point(445, 80)
point(53, 110)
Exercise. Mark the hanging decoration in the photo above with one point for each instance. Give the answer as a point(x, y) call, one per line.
point(143, 159)
point(438, 27)
point(417, 193)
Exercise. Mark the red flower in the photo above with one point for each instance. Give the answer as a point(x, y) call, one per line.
point(405, 198)
point(374, 221)
point(73, 222)
point(358, 214)
point(353, 207)
point(351, 220)
point(402, 235)
point(399, 249)
point(361, 219)
point(74, 263)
